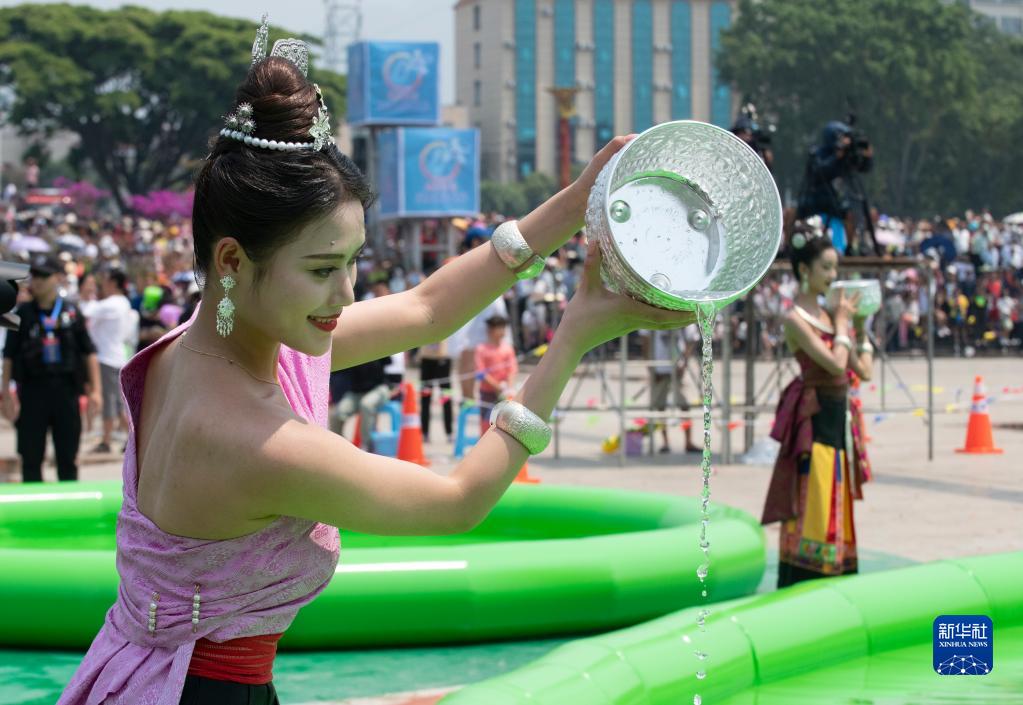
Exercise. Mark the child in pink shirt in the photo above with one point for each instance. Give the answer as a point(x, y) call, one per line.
point(496, 368)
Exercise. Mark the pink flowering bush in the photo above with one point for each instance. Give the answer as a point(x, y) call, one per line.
point(162, 205)
point(85, 197)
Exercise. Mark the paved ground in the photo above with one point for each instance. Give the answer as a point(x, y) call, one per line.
point(915, 510)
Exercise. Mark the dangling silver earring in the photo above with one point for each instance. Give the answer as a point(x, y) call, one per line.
point(804, 286)
point(225, 309)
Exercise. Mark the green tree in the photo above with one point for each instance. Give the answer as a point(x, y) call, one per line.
point(537, 188)
point(144, 91)
point(935, 88)
point(507, 199)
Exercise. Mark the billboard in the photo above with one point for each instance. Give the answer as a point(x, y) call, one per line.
point(428, 172)
point(393, 83)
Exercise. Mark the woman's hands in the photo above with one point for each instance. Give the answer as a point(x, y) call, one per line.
point(846, 306)
point(562, 215)
point(596, 315)
point(584, 183)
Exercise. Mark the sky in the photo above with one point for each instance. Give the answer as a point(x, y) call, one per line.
point(419, 20)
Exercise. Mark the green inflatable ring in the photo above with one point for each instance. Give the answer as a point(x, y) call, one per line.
point(548, 560)
point(794, 632)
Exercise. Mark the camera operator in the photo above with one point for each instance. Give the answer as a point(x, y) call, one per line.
point(830, 182)
point(749, 131)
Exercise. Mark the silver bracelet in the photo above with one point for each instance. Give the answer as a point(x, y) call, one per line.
point(514, 251)
point(865, 347)
point(521, 424)
point(844, 340)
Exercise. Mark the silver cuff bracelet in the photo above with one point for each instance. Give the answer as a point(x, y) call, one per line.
point(521, 424)
point(514, 251)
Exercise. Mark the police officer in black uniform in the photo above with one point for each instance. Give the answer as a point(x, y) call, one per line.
point(53, 361)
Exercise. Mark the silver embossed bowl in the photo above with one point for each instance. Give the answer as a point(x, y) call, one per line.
point(686, 215)
point(868, 289)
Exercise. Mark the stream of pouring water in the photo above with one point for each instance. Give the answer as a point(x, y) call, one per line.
point(705, 315)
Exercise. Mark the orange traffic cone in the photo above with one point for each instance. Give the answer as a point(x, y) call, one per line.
point(978, 432)
point(525, 477)
point(410, 439)
point(357, 438)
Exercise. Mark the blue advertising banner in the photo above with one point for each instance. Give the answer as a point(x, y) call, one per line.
point(436, 170)
point(393, 83)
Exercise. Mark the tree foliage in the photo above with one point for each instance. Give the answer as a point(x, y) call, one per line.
point(934, 86)
point(517, 198)
point(144, 91)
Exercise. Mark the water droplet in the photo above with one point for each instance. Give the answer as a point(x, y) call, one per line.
point(702, 655)
point(661, 281)
point(620, 211)
point(704, 593)
point(701, 572)
point(697, 700)
point(700, 675)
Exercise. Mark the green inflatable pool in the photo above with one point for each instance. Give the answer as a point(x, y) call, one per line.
point(548, 560)
point(861, 639)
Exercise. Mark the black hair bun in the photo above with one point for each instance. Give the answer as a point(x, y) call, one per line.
point(284, 102)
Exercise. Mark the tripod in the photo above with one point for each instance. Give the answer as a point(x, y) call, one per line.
point(858, 193)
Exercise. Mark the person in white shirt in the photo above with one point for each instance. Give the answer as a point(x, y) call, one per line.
point(109, 322)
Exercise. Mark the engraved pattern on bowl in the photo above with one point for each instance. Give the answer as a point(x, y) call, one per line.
point(699, 162)
point(868, 289)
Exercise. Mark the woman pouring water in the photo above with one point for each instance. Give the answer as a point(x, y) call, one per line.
point(822, 463)
point(234, 489)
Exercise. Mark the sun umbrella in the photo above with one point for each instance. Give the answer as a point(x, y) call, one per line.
point(28, 243)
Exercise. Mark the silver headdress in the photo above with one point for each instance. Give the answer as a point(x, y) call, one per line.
point(294, 50)
point(259, 45)
point(240, 125)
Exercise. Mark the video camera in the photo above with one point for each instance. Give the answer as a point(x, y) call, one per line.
point(10, 273)
point(749, 129)
point(859, 156)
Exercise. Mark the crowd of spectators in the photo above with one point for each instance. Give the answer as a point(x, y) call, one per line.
point(977, 262)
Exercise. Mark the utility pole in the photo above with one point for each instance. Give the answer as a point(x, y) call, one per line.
point(343, 27)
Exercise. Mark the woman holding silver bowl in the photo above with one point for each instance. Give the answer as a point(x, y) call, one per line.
point(822, 463)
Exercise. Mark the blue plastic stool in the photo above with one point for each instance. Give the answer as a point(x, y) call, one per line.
point(386, 442)
point(462, 440)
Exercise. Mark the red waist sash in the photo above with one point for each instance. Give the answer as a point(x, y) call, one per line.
point(248, 659)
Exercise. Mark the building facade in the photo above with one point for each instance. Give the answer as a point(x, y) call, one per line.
point(632, 64)
point(1007, 15)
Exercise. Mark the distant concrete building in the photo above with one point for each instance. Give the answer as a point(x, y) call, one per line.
point(1007, 15)
point(633, 63)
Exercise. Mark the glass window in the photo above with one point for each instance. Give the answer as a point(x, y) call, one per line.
point(476, 55)
point(476, 17)
point(477, 93)
point(720, 93)
point(642, 65)
point(1012, 25)
point(525, 85)
point(681, 60)
point(604, 70)
point(564, 43)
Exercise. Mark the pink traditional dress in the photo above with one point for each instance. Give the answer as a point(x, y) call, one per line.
point(821, 467)
point(176, 590)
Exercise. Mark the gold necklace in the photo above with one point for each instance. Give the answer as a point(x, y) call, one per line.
point(243, 369)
